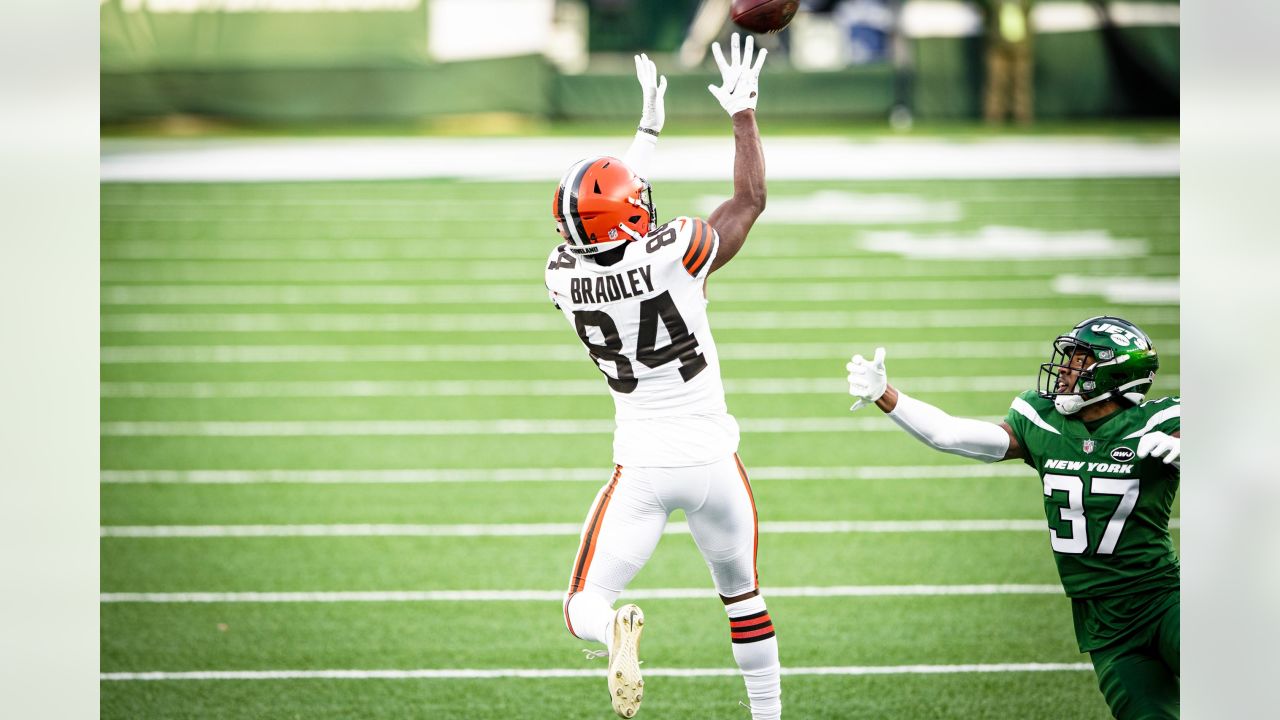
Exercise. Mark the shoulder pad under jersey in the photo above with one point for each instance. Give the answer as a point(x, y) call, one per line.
point(689, 240)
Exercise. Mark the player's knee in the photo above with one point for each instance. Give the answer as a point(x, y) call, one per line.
point(1140, 688)
point(734, 575)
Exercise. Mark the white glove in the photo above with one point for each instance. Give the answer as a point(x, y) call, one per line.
point(654, 112)
point(1160, 445)
point(867, 380)
point(741, 79)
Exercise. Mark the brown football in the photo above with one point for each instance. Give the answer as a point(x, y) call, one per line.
point(763, 15)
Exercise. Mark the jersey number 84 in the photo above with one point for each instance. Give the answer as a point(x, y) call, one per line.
point(683, 345)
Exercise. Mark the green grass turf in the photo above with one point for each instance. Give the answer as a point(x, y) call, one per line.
point(1060, 695)
point(996, 498)
point(363, 452)
point(481, 407)
point(678, 634)
point(311, 236)
point(744, 268)
point(525, 502)
point(543, 563)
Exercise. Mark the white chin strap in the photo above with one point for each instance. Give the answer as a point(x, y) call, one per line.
point(634, 235)
point(1072, 404)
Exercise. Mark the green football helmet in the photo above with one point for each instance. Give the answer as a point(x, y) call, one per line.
point(1121, 365)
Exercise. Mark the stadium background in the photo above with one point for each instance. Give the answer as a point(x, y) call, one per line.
point(343, 433)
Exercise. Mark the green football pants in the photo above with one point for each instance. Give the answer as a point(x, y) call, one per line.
point(1139, 675)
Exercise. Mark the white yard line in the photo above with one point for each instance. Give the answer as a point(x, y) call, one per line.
point(836, 591)
point(819, 208)
point(692, 158)
point(545, 388)
point(522, 208)
point(760, 265)
point(553, 322)
point(414, 260)
point(491, 674)
point(530, 293)
point(423, 428)
point(557, 529)
point(575, 474)
point(557, 352)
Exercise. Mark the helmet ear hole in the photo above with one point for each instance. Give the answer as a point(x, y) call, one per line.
point(633, 219)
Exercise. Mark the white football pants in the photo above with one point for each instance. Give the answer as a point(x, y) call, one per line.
point(631, 510)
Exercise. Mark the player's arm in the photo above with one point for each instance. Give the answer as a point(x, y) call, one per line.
point(653, 115)
point(737, 95)
point(965, 437)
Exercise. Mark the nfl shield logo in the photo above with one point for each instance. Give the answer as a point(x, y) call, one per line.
point(1089, 445)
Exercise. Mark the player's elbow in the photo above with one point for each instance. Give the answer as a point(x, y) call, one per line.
point(954, 444)
point(945, 441)
point(754, 199)
point(942, 441)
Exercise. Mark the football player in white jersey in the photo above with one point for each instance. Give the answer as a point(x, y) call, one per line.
point(634, 292)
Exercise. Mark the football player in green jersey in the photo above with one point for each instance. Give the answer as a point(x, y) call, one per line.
point(1108, 461)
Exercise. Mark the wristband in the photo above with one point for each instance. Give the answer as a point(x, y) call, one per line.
point(644, 129)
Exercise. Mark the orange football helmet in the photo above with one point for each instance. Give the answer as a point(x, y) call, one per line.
point(600, 204)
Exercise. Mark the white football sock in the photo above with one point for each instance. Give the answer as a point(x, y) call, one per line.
point(591, 617)
point(755, 648)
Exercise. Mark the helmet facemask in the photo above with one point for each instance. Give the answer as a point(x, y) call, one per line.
point(1082, 391)
point(644, 202)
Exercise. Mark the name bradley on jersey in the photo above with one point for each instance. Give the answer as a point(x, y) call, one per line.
point(610, 288)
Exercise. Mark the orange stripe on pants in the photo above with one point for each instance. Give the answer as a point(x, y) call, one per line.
point(587, 550)
point(755, 520)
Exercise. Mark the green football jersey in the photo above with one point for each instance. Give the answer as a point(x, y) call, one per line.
point(1108, 511)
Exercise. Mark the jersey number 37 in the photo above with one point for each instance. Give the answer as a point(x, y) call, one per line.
point(683, 346)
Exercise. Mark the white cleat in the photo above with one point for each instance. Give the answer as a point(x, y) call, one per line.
point(626, 688)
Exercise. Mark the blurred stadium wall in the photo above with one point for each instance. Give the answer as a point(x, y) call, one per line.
point(397, 60)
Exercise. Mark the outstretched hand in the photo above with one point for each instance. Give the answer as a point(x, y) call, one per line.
point(654, 113)
point(740, 79)
point(867, 379)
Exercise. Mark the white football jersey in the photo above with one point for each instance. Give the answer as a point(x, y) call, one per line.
point(643, 321)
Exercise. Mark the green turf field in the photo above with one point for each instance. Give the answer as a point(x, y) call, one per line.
point(318, 388)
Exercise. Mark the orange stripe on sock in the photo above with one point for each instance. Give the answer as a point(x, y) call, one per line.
point(753, 633)
point(752, 621)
